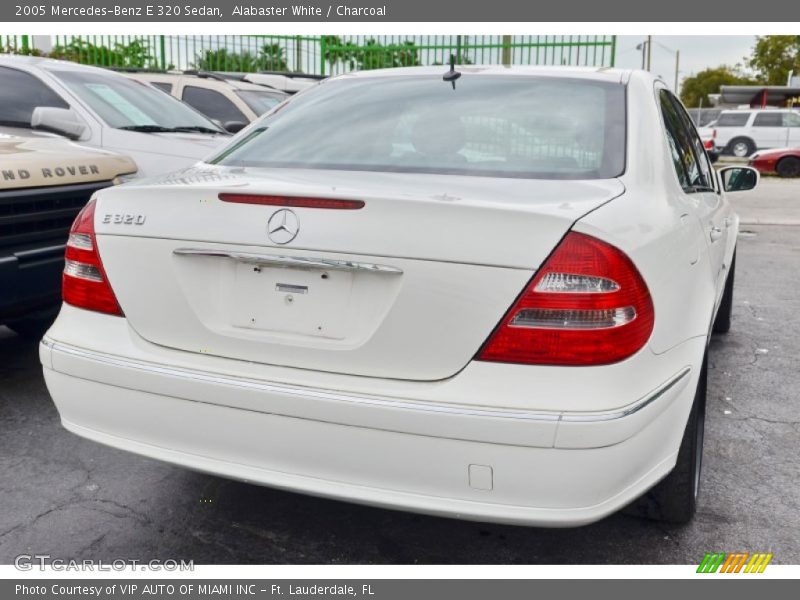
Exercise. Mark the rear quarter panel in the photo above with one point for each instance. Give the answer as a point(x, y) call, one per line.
point(654, 222)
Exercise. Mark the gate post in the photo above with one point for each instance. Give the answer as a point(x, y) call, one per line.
point(322, 55)
point(506, 50)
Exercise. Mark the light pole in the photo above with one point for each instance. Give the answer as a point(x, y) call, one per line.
point(645, 48)
point(677, 54)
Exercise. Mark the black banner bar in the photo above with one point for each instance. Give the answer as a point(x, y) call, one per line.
point(441, 11)
point(711, 586)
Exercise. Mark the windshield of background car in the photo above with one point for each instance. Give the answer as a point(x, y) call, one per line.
point(494, 126)
point(259, 102)
point(125, 103)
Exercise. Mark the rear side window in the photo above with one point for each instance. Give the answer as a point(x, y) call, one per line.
point(488, 125)
point(213, 104)
point(768, 120)
point(732, 119)
point(22, 92)
point(791, 119)
point(707, 178)
point(163, 86)
point(258, 101)
point(692, 172)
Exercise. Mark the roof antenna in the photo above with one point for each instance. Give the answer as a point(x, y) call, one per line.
point(452, 74)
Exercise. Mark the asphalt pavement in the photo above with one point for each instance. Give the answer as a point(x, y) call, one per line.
point(74, 499)
point(775, 201)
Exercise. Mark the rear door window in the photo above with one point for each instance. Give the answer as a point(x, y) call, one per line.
point(691, 166)
point(213, 104)
point(258, 101)
point(707, 178)
point(791, 120)
point(768, 120)
point(733, 119)
point(163, 86)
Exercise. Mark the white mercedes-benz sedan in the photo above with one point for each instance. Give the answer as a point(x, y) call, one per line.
point(484, 293)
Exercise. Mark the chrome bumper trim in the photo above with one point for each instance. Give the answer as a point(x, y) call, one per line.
point(291, 262)
point(384, 402)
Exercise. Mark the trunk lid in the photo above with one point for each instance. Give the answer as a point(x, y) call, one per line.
point(407, 287)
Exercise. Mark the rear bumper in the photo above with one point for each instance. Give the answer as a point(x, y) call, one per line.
point(483, 463)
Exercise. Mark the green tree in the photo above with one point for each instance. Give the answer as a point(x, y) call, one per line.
point(337, 50)
point(223, 60)
point(708, 82)
point(371, 55)
point(774, 57)
point(18, 49)
point(133, 54)
point(273, 58)
point(270, 57)
point(374, 55)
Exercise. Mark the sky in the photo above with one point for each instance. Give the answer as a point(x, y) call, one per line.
point(698, 52)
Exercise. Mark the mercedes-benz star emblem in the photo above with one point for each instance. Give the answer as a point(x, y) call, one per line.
point(283, 226)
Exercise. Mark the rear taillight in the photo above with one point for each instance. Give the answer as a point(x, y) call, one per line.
point(85, 283)
point(587, 305)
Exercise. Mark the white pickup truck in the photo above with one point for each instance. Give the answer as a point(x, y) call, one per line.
point(742, 132)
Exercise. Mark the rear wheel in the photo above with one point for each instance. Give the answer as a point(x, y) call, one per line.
point(722, 324)
point(674, 499)
point(741, 147)
point(788, 167)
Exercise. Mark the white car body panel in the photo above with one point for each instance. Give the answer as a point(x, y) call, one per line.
point(463, 287)
point(154, 153)
point(394, 412)
point(420, 451)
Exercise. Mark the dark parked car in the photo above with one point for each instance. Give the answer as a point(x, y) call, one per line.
point(44, 183)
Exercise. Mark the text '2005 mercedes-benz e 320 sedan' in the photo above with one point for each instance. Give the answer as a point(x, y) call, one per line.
point(488, 296)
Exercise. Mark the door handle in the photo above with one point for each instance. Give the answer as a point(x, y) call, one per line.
point(716, 233)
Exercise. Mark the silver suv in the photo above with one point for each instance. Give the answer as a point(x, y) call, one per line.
point(742, 132)
point(230, 102)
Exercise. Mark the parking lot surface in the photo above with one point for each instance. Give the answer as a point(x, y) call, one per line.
point(73, 499)
point(775, 201)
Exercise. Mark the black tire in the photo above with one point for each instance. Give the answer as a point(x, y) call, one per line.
point(741, 147)
point(31, 328)
point(788, 167)
point(722, 324)
point(674, 498)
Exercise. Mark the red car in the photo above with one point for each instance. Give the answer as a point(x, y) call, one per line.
point(783, 161)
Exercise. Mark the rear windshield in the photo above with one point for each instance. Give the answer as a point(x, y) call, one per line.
point(496, 126)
